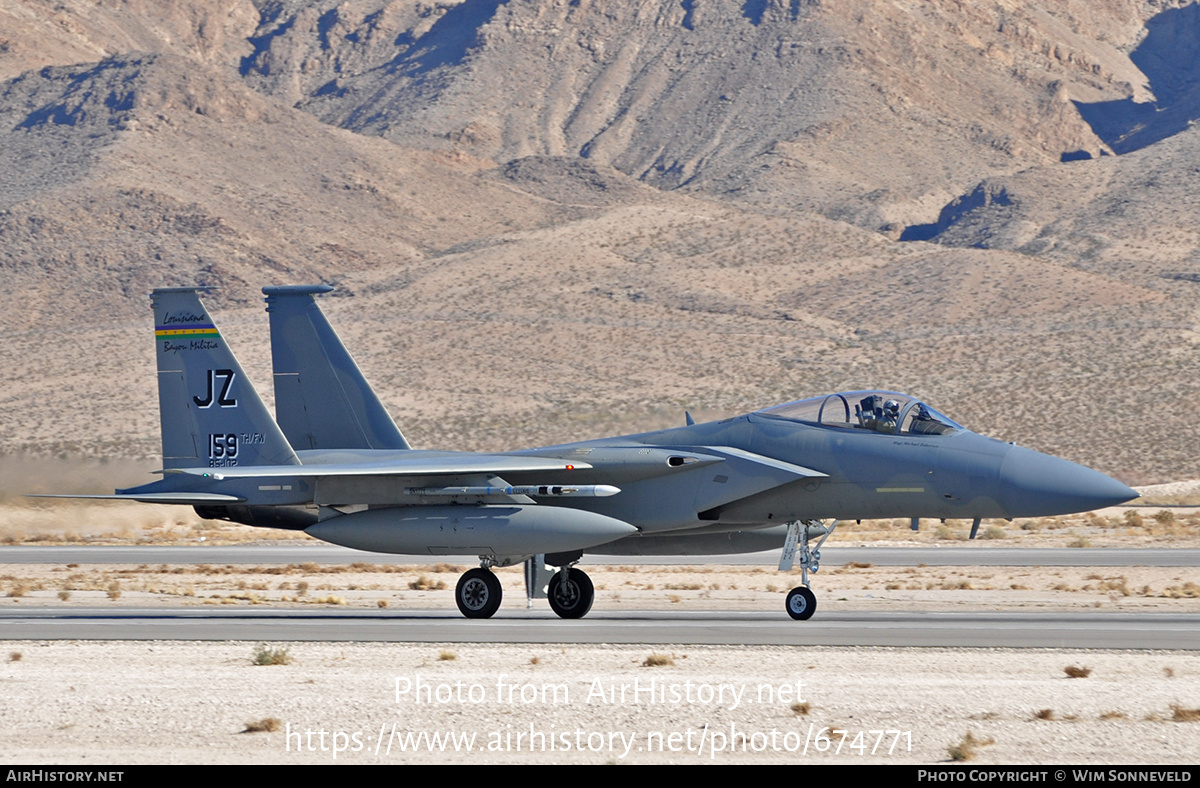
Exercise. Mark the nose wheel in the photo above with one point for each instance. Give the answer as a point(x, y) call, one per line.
point(801, 603)
point(571, 593)
point(478, 594)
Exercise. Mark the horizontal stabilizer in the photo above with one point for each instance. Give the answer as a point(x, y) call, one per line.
point(183, 498)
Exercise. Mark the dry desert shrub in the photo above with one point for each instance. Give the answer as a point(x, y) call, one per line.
point(1180, 714)
point(658, 660)
point(267, 655)
point(1076, 672)
point(447, 656)
point(1119, 585)
point(965, 749)
point(1188, 590)
point(801, 709)
point(1044, 714)
point(265, 725)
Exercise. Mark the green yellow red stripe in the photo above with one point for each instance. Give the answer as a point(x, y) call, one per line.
point(187, 331)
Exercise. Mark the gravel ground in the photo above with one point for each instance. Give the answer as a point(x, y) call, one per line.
point(191, 703)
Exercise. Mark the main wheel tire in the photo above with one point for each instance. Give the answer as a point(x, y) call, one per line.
point(478, 594)
point(572, 599)
point(801, 603)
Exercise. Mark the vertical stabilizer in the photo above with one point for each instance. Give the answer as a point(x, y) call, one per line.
point(211, 415)
point(322, 400)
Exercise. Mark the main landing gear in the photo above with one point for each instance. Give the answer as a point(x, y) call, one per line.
point(478, 593)
point(801, 602)
point(571, 593)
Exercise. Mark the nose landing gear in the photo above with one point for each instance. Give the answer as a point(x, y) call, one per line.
point(801, 602)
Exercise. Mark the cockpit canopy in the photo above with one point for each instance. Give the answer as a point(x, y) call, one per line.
point(875, 411)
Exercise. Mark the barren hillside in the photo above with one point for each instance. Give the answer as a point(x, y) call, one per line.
point(866, 111)
point(557, 220)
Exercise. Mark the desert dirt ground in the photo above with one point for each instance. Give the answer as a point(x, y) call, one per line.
point(198, 703)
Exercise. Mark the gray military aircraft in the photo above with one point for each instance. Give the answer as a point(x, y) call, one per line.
point(336, 466)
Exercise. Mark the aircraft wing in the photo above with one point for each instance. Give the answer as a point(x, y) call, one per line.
point(403, 466)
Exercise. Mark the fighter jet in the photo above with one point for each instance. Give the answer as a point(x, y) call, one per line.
point(335, 465)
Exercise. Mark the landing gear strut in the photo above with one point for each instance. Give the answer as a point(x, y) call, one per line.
point(801, 602)
point(571, 593)
point(478, 593)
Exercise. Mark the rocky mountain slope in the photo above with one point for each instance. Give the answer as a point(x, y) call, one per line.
point(558, 220)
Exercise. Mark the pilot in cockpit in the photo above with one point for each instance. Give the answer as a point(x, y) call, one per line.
point(891, 414)
point(878, 417)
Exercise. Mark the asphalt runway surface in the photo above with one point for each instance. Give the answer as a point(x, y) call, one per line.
point(982, 629)
point(539, 625)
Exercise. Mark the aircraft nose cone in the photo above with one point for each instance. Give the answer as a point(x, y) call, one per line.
point(1038, 485)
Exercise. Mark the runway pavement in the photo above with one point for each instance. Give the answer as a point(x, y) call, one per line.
point(1028, 629)
point(973, 630)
